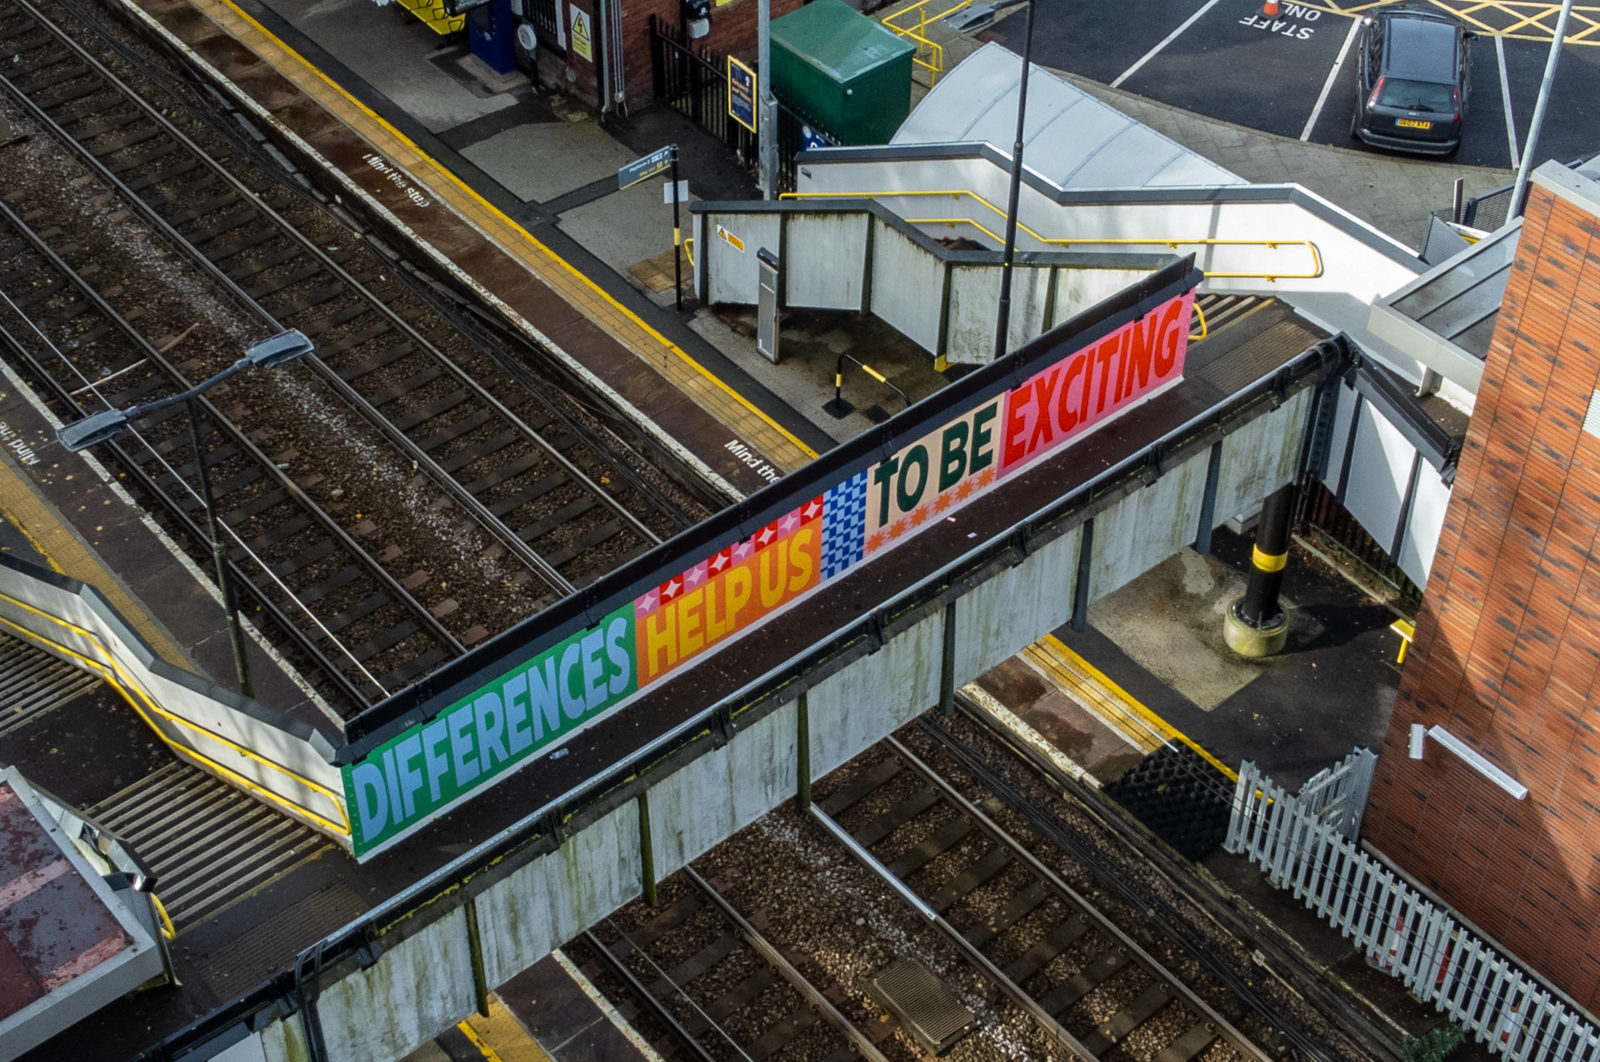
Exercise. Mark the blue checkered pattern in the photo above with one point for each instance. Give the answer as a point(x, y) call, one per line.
point(844, 525)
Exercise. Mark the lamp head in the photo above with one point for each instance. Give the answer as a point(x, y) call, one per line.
point(281, 348)
point(95, 428)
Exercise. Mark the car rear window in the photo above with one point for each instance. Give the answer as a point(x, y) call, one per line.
point(1415, 95)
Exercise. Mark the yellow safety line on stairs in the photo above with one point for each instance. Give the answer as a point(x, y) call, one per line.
point(580, 290)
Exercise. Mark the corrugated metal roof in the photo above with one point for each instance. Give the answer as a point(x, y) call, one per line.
point(1071, 138)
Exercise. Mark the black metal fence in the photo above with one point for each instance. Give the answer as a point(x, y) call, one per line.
point(542, 13)
point(694, 82)
point(1321, 514)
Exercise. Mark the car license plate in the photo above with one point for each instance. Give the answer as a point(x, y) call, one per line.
point(1412, 123)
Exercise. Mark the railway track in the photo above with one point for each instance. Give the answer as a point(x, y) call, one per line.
point(349, 614)
point(1085, 980)
point(719, 990)
point(506, 477)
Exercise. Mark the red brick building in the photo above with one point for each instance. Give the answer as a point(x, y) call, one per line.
point(1507, 650)
point(731, 30)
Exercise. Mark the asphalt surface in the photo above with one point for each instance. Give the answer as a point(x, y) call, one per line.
point(1295, 75)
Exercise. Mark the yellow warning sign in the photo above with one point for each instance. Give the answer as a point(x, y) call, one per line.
point(581, 43)
point(730, 239)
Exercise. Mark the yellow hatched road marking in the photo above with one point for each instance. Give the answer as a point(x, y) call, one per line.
point(460, 186)
point(501, 1037)
point(1523, 20)
point(1126, 701)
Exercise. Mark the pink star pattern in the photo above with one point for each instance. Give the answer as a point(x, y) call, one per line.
point(694, 576)
point(649, 602)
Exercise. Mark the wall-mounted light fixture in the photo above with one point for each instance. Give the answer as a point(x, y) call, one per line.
point(1471, 756)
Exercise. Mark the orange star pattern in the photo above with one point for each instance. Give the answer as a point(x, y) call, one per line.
point(964, 491)
point(919, 515)
point(943, 502)
point(986, 477)
point(875, 543)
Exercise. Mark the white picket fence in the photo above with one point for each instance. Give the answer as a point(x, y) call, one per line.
point(1306, 843)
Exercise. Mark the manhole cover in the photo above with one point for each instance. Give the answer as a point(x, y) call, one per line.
point(924, 1005)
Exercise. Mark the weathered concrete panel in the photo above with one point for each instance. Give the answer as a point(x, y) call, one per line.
point(393, 1007)
point(526, 916)
point(1260, 457)
point(974, 299)
point(732, 271)
point(875, 695)
point(1013, 609)
point(825, 260)
point(1078, 290)
point(1147, 527)
point(907, 286)
point(722, 792)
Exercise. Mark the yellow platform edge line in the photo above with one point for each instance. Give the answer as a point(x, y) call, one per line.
point(1097, 700)
point(1056, 645)
point(501, 216)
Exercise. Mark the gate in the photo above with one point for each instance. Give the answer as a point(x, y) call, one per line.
point(695, 84)
point(1301, 842)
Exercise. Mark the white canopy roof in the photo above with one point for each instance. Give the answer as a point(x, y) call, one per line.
point(1071, 138)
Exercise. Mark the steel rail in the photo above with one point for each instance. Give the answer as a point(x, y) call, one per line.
point(1151, 964)
point(480, 513)
point(656, 1007)
point(249, 198)
point(796, 979)
point(222, 426)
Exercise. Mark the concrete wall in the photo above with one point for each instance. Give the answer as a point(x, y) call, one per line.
point(425, 983)
point(850, 260)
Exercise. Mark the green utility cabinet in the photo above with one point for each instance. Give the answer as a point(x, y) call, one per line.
point(842, 72)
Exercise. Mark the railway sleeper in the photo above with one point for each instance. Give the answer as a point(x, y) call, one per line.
point(277, 256)
point(306, 557)
point(410, 386)
point(220, 223)
point(223, 250)
point(583, 544)
point(194, 210)
point(310, 298)
point(502, 473)
point(359, 611)
point(353, 372)
point(38, 89)
point(387, 640)
point(663, 922)
point(985, 869)
point(1013, 911)
point(850, 794)
point(1195, 1041)
point(271, 536)
point(531, 493)
point(786, 1029)
point(1069, 993)
point(903, 812)
point(115, 140)
point(742, 995)
point(107, 122)
point(458, 429)
point(1053, 943)
point(135, 162)
point(407, 422)
point(1108, 1034)
point(678, 979)
point(415, 667)
point(930, 848)
point(183, 164)
point(342, 577)
point(531, 533)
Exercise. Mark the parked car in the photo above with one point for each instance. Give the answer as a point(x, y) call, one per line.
point(1412, 80)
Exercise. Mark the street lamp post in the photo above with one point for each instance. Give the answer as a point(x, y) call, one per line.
point(1009, 251)
point(109, 423)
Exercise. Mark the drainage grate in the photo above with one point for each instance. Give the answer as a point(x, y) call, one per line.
point(923, 1004)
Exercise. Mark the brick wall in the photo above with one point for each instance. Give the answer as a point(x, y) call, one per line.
point(1507, 652)
point(733, 32)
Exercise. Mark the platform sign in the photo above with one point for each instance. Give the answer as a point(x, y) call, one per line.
point(642, 169)
point(742, 93)
point(539, 702)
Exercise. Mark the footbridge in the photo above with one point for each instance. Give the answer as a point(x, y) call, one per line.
point(519, 795)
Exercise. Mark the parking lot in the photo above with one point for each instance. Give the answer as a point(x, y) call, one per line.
point(1294, 74)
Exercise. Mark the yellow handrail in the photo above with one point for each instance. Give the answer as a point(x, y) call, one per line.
point(125, 685)
point(1204, 331)
point(934, 64)
point(1068, 241)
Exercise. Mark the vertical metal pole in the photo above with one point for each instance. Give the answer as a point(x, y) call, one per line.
point(1208, 501)
point(803, 753)
point(1519, 191)
point(1003, 309)
point(1080, 588)
point(947, 663)
point(677, 238)
point(647, 852)
point(1458, 200)
point(1259, 607)
point(219, 555)
point(766, 134)
point(480, 980)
